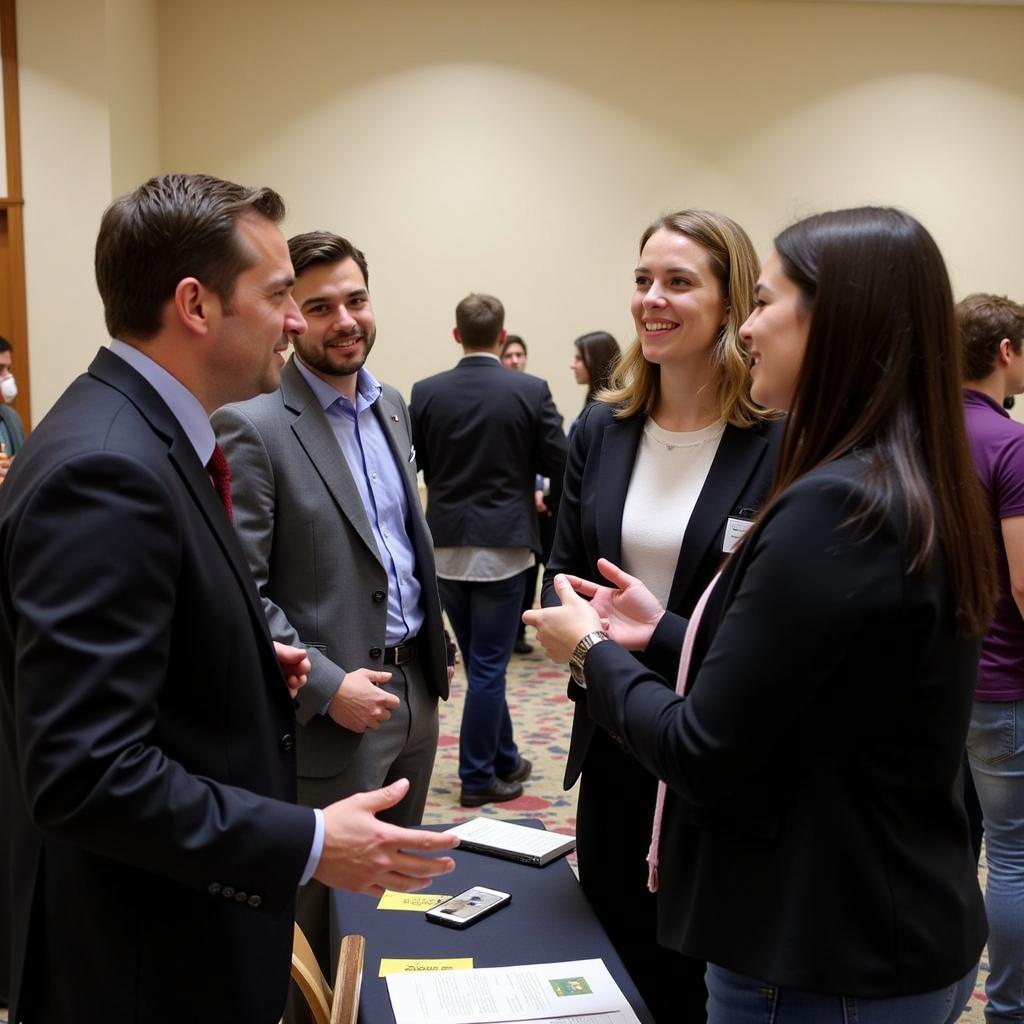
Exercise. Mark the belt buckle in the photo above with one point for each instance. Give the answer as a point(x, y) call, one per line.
point(403, 653)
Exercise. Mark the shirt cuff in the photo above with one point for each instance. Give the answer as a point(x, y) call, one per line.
point(317, 848)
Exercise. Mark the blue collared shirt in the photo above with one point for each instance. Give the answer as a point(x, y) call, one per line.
point(186, 408)
point(378, 477)
point(190, 414)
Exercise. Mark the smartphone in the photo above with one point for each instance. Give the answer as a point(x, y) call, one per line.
point(468, 907)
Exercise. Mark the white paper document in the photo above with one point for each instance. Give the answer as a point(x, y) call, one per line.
point(514, 842)
point(577, 991)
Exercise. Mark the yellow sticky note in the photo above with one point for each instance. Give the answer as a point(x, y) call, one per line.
point(393, 965)
point(392, 900)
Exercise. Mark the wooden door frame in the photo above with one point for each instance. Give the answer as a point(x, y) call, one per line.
point(14, 204)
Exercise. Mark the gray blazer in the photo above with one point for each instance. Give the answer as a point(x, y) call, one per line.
point(311, 549)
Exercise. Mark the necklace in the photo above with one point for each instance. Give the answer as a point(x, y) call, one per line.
point(710, 435)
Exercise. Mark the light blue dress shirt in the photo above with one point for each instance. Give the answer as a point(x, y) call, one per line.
point(371, 461)
point(190, 414)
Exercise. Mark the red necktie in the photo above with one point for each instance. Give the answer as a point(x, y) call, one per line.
point(220, 474)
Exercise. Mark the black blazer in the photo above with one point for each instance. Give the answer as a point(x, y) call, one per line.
point(147, 725)
point(814, 832)
point(601, 457)
point(482, 434)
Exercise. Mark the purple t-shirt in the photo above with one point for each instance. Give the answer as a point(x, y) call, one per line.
point(997, 446)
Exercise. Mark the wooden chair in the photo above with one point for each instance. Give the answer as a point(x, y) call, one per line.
point(349, 980)
point(340, 1006)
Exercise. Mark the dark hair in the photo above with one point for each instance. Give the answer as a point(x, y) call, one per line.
point(318, 247)
point(984, 320)
point(170, 228)
point(514, 339)
point(881, 373)
point(479, 319)
point(599, 352)
point(5, 345)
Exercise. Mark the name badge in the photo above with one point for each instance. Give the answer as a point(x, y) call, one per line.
point(735, 528)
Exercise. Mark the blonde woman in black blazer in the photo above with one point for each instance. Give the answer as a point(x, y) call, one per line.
point(682, 383)
point(814, 847)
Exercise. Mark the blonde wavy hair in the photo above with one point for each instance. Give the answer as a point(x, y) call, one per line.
point(634, 384)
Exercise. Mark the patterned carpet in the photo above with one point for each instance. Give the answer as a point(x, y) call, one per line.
point(542, 716)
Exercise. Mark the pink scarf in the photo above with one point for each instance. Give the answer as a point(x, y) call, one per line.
point(681, 679)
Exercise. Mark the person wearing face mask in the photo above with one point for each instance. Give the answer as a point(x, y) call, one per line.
point(12, 431)
point(810, 840)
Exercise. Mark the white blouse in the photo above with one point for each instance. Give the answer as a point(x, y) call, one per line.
point(668, 476)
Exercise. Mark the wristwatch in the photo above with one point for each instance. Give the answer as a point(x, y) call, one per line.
point(579, 655)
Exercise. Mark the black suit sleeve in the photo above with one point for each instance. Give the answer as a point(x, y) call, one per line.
point(568, 553)
point(419, 441)
point(810, 589)
point(550, 443)
point(95, 604)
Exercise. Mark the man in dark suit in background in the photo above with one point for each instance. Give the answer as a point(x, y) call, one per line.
point(482, 434)
point(328, 511)
point(147, 724)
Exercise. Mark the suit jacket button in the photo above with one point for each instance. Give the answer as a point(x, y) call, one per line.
point(241, 897)
point(213, 888)
point(227, 892)
point(376, 652)
point(287, 742)
point(254, 901)
point(379, 595)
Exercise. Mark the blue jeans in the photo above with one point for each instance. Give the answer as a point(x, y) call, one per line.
point(736, 999)
point(995, 746)
point(485, 617)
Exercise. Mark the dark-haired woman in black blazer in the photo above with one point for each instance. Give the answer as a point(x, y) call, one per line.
point(814, 846)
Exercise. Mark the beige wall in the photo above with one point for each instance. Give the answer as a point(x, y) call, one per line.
point(134, 91)
point(65, 150)
point(521, 149)
point(88, 89)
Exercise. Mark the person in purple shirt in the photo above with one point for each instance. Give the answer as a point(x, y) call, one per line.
point(992, 329)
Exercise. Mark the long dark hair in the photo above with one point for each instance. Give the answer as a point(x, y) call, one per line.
point(599, 352)
point(882, 373)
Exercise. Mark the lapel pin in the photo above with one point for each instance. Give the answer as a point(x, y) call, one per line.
point(394, 418)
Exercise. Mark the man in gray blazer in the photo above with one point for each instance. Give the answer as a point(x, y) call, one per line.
point(327, 508)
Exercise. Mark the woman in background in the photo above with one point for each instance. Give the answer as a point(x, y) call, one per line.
point(593, 360)
point(813, 844)
point(664, 474)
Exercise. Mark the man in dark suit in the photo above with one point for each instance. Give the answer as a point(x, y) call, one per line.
point(328, 511)
point(146, 720)
point(482, 433)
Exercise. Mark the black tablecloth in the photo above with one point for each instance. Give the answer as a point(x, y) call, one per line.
point(549, 920)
